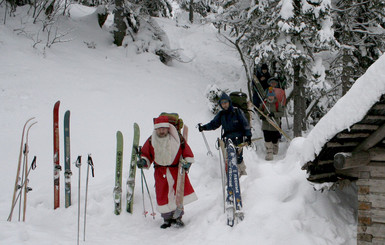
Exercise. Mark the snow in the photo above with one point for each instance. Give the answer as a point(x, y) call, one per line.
point(108, 88)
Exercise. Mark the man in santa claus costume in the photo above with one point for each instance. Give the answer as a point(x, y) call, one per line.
point(164, 148)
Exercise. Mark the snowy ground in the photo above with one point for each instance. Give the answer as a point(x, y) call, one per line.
point(108, 89)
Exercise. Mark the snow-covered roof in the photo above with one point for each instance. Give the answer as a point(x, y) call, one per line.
point(350, 109)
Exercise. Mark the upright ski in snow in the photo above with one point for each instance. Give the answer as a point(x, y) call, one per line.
point(118, 173)
point(56, 158)
point(233, 199)
point(17, 186)
point(67, 159)
point(132, 171)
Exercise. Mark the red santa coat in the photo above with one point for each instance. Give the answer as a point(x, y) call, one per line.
point(166, 171)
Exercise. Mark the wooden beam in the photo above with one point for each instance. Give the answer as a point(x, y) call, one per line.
point(364, 127)
point(372, 140)
point(320, 176)
point(335, 144)
point(375, 117)
point(377, 154)
point(379, 107)
point(352, 136)
point(347, 160)
point(343, 160)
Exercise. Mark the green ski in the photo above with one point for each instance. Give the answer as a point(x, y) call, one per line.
point(118, 173)
point(132, 173)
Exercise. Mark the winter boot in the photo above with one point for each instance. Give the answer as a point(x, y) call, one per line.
point(269, 151)
point(178, 223)
point(242, 169)
point(275, 149)
point(167, 223)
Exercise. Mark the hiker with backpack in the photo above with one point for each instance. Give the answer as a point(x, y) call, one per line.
point(234, 126)
point(164, 148)
point(279, 92)
point(273, 109)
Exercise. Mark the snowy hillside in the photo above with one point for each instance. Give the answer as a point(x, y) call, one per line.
point(108, 89)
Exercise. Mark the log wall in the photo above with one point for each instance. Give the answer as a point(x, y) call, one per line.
point(371, 204)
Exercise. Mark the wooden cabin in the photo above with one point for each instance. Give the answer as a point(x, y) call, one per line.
point(357, 155)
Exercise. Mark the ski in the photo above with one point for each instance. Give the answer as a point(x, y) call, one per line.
point(26, 180)
point(16, 187)
point(56, 159)
point(132, 171)
point(67, 159)
point(233, 199)
point(118, 173)
point(179, 195)
point(223, 169)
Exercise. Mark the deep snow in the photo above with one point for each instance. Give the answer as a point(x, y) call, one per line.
point(108, 89)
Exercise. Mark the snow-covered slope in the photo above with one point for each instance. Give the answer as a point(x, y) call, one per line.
point(108, 89)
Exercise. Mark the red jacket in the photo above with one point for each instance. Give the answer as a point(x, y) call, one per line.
point(166, 172)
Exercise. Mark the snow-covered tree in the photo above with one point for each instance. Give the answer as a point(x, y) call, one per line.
point(359, 28)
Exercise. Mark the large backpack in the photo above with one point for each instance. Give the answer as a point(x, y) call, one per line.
point(239, 99)
point(174, 119)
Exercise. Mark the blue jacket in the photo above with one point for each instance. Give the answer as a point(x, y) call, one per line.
point(233, 121)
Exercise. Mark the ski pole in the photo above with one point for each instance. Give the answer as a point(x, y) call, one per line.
point(144, 207)
point(207, 144)
point(149, 195)
point(90, 164)
point(222, 174)
point(78, 164)
point(32, 167)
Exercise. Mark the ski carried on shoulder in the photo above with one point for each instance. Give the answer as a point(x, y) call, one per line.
point(132, 171)
point(233, 199)
point(118, 174)
point(179, 195)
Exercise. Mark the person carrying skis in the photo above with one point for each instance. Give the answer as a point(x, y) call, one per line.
point(165, 147)
point(234, 126)
point(261, 75)
point(273, 109)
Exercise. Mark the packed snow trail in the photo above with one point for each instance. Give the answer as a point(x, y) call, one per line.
point(108, 88)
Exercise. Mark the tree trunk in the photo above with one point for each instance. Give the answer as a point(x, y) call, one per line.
point(120, 25)
point(191, 13)
point(299, 102)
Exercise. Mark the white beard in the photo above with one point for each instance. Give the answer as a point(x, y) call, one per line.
point(165, 149)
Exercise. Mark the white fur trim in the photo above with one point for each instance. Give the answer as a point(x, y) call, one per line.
point(189, 159)
point(162, 125)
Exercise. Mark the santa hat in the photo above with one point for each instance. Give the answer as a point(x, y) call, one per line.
point(161, 122)
point(270, 92)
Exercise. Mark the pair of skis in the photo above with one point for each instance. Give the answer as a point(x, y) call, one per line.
point(230, 183)
point(56, 157)
point(130, 184)
point(21, 187)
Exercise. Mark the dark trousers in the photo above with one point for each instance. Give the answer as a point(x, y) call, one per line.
point(271, 136)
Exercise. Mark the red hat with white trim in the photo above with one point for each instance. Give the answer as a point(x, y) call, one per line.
point(161, 122)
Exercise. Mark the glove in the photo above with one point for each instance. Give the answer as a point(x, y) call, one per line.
point(186, 165)
point(262, 118)
point(248, 140)
point(200, 127)
point(271, 114)
point(141, 163)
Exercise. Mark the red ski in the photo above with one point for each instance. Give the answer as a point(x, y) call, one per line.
point(56, 162)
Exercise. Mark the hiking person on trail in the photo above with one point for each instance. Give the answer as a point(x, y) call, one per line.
point(164, 148)
point(279, 93)
point(261, 75)
point(234, 126)
point(273, 109)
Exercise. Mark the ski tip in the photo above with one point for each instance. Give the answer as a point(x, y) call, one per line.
point(67, 113)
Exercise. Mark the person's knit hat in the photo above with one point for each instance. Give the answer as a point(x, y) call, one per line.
point(161, 122)
point(272, 79)
point(270, 92)
point(264, 67)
